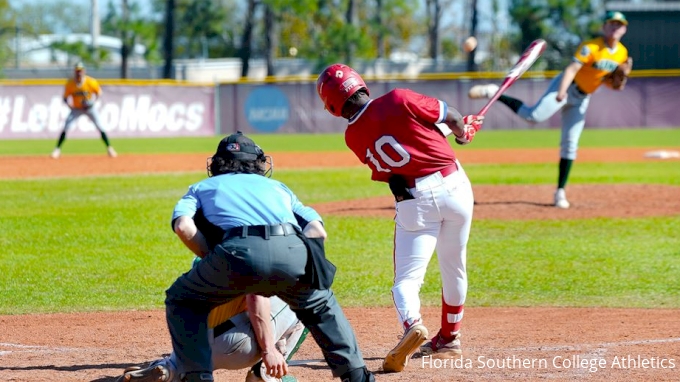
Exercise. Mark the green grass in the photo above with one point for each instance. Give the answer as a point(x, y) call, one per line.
point(105, 243)
point(520, 263)
point(550, 138)
point(486, 139)
point(546, 173)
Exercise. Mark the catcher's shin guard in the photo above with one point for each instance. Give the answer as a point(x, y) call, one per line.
point(302, 338)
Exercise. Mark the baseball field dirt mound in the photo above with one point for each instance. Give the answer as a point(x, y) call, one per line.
point(536, 202)
point(500, 344)
point(493, 202)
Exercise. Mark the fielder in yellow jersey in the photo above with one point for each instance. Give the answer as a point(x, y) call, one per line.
point(83, 93)
point(597, 61)
point(571, 90)
point(80, 94)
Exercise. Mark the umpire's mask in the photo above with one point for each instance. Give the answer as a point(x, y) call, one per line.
point(239, 148)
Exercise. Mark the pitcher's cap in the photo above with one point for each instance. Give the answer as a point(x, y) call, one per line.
point(615, 16)
point(79, 66)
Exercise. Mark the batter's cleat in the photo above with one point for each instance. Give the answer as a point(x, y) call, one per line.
point(482, 91)
point(112, 152)
point(397, 359)
point(56, 153)
point(153, 373)
point(561, 199)
point(440, 347)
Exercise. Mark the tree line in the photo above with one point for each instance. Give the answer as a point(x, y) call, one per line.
point(319, 31)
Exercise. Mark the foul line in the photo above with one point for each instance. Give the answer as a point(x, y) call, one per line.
point(36, 349)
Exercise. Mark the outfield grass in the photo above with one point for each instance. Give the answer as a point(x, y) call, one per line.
point(105, 243)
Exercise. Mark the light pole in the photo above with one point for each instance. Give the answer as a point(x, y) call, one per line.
point(95, 29)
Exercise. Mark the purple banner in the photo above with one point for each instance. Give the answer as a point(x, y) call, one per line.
point(38, 111)
point(296, 108)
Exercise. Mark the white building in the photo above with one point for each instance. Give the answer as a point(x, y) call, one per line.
point(38, 52)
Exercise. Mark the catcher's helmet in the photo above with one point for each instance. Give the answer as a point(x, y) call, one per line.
point(336, 84)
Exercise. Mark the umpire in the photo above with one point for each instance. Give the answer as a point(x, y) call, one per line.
point(261, 250)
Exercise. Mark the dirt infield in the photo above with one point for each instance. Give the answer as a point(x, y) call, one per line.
point(527, 343)
point(97, 346)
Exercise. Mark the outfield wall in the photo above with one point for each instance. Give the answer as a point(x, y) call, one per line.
point(294, 107)
point(130, 109)
point(171, 109)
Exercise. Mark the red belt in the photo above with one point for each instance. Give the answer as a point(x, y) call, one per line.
point(411, 182)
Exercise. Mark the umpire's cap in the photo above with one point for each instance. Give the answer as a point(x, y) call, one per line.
point(615, 16)
point(238, 146)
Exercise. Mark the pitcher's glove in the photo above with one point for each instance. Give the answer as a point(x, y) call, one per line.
point(617, 79)
point(472, 124)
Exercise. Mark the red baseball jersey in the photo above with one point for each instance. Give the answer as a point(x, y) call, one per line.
point(396, 134)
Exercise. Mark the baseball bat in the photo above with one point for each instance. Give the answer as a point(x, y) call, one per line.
point(529, 56)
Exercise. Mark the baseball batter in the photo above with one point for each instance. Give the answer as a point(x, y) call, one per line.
point(233, 340)
point(401, 137)
point(594, 62)
point(80, 94)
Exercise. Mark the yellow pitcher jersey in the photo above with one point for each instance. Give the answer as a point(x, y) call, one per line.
point(81, 92)
point(598, 60)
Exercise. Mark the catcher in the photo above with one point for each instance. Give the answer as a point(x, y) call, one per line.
point(232, 335)
point(602, 60)
point(82, 91)
point(233, 341)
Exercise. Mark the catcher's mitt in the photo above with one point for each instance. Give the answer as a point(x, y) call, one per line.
point(617, 79)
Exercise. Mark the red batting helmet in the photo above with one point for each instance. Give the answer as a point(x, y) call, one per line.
point(336, 84)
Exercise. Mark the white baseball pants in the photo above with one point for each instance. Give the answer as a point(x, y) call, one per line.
point(439, 218)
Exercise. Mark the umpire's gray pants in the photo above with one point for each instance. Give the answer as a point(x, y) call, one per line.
point(243, 265)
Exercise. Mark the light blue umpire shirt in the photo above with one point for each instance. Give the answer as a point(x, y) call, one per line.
point(233, 200)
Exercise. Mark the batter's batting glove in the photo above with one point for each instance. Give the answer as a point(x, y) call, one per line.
point(472, 124)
